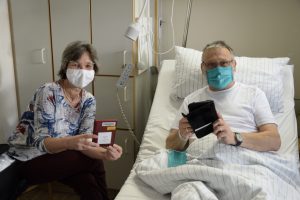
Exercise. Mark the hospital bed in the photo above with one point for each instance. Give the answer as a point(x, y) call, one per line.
point(163, 113)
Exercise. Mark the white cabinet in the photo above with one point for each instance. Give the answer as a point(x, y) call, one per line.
point(70, 21)
point(118, 171)
point(110, 20)
point(107, 104)
point(30, 34)
point(52, 24)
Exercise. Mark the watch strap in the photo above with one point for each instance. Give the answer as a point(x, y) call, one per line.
point(238, 139)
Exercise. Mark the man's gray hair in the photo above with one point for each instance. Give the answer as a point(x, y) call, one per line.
point(218, 43)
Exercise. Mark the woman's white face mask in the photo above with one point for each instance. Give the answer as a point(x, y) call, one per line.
point(80, 77)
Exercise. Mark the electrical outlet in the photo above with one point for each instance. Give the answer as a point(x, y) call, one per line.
point(122, 81)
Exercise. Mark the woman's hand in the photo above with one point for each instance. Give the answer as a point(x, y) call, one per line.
point(113, 152)
point(81, 142)
point(223, 131)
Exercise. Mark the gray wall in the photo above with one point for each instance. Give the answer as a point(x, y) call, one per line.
point(262, 28)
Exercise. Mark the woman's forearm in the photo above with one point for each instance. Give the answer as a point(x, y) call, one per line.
point(56, 145)
point(95, 153)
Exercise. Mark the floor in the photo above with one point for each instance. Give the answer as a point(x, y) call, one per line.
point(59, 192)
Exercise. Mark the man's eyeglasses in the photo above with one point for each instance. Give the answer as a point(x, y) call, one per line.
point(223, 63)
point(76, 65)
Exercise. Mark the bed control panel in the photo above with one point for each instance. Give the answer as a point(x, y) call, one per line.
point(122, 81)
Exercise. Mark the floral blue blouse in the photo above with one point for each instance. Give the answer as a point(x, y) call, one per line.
point(50, 115)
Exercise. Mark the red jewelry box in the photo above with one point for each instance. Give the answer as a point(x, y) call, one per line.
point(106, 132)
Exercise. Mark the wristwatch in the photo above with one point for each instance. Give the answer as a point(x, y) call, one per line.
point(238, 139)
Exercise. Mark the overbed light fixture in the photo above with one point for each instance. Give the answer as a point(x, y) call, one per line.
point(134, 28)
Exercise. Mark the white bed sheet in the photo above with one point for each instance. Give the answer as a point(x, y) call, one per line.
point(161, 117)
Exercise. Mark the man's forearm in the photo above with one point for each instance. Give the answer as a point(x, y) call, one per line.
point(173, 141)
point(266, 139)
point(261, 141)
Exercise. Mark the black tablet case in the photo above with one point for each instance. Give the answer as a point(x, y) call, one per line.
point(201, 117)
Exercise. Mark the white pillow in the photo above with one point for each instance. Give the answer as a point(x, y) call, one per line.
point(262, 72)
point(287, 77)
point(187, 71)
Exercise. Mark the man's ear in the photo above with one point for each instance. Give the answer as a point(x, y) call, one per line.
point(234, 65)
point(202, 68)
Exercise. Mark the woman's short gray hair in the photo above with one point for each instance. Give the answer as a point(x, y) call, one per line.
point(73, 52)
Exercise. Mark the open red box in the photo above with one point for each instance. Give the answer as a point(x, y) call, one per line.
point(106, 132)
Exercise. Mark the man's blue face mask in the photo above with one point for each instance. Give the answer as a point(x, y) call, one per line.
point(219, 77)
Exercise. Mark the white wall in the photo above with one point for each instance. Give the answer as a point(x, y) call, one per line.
point(8, 101)
point(263, 28)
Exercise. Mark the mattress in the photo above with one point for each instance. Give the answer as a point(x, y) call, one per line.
point(163, 112)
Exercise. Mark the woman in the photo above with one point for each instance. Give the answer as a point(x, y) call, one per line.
point(57, 130)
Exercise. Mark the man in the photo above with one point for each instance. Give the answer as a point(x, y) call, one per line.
point(245, 117)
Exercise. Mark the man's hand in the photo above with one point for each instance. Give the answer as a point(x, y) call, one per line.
point(178, 139)
point(185, 129)
point(223, 131)
point(266, 138)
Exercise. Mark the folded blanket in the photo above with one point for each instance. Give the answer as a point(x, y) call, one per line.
point(218, 171)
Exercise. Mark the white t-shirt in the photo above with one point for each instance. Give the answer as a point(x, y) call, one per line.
point(243, 107)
